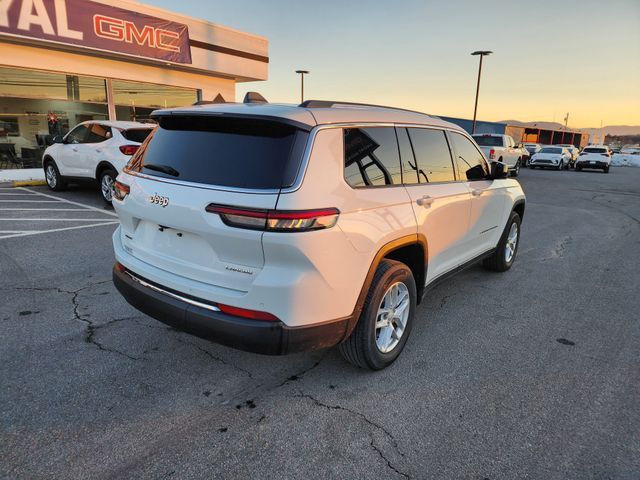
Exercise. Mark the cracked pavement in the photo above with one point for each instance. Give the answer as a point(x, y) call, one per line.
point(530, 374)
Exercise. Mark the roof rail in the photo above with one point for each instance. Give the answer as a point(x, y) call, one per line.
point(332, 103)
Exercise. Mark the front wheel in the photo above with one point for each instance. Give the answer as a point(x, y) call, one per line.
point(505, 253)
point(107, 178)
point(606, 169)
point(516, 170)
point(386, 319)
point(54, 180)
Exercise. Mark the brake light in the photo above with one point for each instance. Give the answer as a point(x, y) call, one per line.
point(276, 220)
point(129, 149)
point(492, 154)
point(246, 313)
point(120, 190)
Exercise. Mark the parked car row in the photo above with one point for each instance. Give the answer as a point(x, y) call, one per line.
point(563, 157)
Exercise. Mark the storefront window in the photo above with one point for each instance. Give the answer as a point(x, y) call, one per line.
point(135, 101)
point(35, 106)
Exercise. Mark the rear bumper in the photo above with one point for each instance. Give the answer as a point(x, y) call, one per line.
point(592, 164)
point(258, 336)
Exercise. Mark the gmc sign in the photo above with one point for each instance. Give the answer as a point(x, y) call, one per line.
point(95, 25)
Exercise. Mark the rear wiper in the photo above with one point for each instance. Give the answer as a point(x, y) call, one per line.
point(162, 168)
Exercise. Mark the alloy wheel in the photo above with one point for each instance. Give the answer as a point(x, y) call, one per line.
point(392, 316)
point(50, 175)
point(512, 242)
point(106, 186)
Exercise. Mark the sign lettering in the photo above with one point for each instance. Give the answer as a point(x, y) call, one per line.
point(96, 25)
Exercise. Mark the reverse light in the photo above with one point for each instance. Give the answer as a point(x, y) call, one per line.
point(120, 190)
point(129, 149)
point(492, 154)
point(246, 313)
point(276, 220)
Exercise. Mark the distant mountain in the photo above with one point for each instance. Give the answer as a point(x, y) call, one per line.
point(608, 129)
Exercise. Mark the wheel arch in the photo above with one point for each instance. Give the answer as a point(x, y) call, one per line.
point(412, 250)
point(102, 166)
point(518, 207)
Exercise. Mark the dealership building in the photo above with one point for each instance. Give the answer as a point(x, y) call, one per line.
point(66, 61)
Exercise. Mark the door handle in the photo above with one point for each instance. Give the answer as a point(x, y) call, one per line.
point(98, 150)
point(425, 201)
point(74, 149)
point(475, 192)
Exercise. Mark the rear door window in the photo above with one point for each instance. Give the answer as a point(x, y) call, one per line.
point(432, 155)
point(228, 152)
point(77, 135)
point(371, 157)
point(471, 163)
point(98, 133)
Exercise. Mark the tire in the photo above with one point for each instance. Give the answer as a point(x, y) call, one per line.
point(516, 170)
point(577, 168)
point(362, 347)
point(499, 261)
point(606, 169)
point(560, 166)
point(105, 181)
point(54, 180)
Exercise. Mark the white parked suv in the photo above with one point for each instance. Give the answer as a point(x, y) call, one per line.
point(93, 150)
point(596, 157)
point(501, 148)
point(552, 156)
point(282, 228)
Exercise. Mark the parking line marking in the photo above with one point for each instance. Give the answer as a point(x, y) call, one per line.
point(23, 194)
point(27, 201)
point(37, 232)
point(42, 209)
point(56, 220)
point(70, 202)
point(18, 231)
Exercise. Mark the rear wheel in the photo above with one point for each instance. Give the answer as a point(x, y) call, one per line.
point(54, 180)
point(106, 179)
point(386, 319)
point(505, 253)
point(606, 169)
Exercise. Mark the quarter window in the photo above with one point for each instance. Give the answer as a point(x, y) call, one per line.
point(432, 155)
point(471, 162)
point(371, 157)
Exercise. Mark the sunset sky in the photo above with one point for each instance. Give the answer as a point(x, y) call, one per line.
point(551, 56)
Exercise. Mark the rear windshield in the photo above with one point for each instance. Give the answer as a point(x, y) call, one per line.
point(551, 150)
point(488, 141)
point(136, 134)
point(595, 150)
point(227, 152)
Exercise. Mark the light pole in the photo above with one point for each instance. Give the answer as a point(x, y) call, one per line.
point(482, 53)
point(302, 74)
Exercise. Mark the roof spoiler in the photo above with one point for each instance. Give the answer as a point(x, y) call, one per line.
point(332, 104)
point(254, 97)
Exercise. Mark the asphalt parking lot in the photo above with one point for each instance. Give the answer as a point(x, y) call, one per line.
point(534, 373)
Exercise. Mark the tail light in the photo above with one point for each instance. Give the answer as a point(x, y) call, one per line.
point(129, 149)
point(276, 220)
point(492, 154)
point(120, 190)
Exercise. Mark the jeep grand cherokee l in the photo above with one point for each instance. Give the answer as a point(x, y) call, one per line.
point(281, 228)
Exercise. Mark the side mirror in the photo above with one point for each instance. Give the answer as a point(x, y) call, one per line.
point(58, 139)
point(499, 170)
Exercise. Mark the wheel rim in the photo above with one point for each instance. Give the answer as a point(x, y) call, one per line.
point(512, 242)
point(106, 185)
point(51, 176)
point(392, 316)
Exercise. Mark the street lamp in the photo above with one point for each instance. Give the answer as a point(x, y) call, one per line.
point(482, 53)
point(302, 74)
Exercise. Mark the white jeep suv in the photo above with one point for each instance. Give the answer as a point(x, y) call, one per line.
point(93, 150)
point(281, 228)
